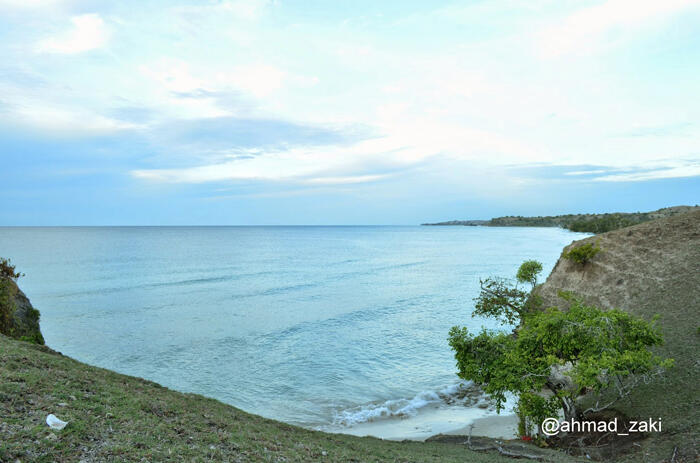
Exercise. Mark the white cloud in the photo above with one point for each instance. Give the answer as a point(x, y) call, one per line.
point(66, 120)
point(681, 171)
point(587, 29)
point(405, 145)
point(587, 172)
point(345, 180)
point(88, 33)
point(27, 4)
point(260, 80)
point(188, 89)
point(246, 9)
point(174, 75)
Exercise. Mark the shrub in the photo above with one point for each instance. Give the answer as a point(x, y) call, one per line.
point(7, 270)
point(583, 349)
point(582, 254)
point(580, 351)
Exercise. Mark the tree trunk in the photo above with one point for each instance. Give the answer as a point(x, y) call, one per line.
point(570, 411)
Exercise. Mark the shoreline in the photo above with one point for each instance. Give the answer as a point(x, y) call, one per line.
point(115, 416)
point(436, 421)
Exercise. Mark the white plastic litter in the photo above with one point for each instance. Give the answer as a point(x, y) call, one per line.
point(55, 423)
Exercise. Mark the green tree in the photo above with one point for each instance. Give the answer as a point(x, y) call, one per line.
point(555, 357)
point(528, 271)
point(504, 301)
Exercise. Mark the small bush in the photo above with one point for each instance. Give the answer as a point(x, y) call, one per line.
point(7, 270)
point(582, 254)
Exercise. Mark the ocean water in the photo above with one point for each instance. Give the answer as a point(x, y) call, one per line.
point(325, 327)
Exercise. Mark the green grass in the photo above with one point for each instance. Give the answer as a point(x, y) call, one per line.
point(675, 399)
point(113, 417)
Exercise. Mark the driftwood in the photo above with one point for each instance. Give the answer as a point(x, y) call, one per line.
point(485, 444)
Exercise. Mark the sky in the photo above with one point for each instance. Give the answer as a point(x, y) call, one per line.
point(247, 112)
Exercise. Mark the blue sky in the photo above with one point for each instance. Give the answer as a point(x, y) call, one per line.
point(363, 112)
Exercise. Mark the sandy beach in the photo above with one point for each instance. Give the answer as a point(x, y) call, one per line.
point(438, 420)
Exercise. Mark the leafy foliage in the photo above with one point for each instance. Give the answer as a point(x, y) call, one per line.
point(7, 270)
point(582, 254)
point(528, 271)
point(595, 349)
point(567, 353)
point(499, 299)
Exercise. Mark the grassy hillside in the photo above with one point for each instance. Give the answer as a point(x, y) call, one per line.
point(113, 417)
point(649, 269)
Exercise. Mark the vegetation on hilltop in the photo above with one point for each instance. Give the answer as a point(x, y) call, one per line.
point(582, 254)
point(589, 223)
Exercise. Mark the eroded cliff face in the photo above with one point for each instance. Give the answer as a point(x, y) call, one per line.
point(649, 269)
point(23, 320)
point(635, 263)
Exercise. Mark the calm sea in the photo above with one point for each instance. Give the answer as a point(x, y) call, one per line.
point(319, 326)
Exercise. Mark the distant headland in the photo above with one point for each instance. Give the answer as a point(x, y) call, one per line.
point(591, 223)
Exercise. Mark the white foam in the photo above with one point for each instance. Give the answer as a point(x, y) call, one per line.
point(454, 394)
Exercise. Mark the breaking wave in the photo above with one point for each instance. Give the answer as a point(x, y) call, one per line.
point(460, 394)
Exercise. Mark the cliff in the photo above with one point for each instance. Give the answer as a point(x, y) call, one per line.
point(649, 269)
point(18, 318)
